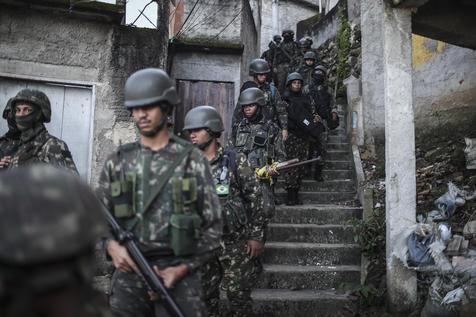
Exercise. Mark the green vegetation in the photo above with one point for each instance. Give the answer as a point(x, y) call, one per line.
point(343, 51)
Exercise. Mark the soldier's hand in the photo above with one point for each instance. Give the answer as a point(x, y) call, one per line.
point(5, 161)
point(285, 134)
point(120, 257)
point(317, 119)
point(172, 274)
point(254, 248)
point(334, 116)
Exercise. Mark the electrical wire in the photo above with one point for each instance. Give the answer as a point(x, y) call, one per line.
point(207, 19)
point(188, 16)
point(226, 26)
point(141, 12)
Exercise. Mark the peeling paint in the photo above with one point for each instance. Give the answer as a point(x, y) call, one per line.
point(424, 50)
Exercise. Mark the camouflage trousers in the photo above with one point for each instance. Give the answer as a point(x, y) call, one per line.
point(129, 297)
point(236, 273)
point(296, 147)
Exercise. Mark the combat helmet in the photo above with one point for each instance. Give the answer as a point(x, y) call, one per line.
point(8, 109)
point(203, 117)
point(310, 55)
point(252, 95)
point(37, 98)
point(293, 76)
point(149, 86)
point(288, 32)
point(277, 38)
point(259, 66)
point(60, 219)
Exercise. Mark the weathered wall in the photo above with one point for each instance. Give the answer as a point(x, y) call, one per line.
point(209, 19)
point(327, 26)
point(249, 36)
point(57, 46)
point(444, 78)
point(289, 13)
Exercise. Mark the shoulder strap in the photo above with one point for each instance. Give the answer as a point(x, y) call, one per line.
point(163, 180)
point(232, 159)
point(273, 90)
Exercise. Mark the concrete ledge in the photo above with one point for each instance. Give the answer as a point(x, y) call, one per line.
point(205, 45)
point(87, 10)
point(359, 173)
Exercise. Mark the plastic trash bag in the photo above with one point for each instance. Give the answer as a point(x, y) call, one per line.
point(418, 250)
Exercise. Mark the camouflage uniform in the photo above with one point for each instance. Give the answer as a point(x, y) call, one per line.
point(261, 141)
point(47, 244)
point(38, 146)
point(286, 60)
point(275, 108)
point(126, 185)
point(9, 144)
point(306, 73)
point(244, 220)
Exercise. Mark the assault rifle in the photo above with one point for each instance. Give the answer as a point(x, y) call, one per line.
point(264, 172)
point(128, 240)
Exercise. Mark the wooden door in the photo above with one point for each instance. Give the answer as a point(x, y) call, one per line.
point(219, 95)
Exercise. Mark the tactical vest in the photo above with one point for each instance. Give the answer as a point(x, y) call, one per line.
point(256, 142)
point(132, 197)
point(234, 212)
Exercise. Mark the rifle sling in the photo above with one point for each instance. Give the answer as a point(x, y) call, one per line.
point(163, 180)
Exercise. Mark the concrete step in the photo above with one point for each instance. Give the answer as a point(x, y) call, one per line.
point(340, 131)
point(338, 146)
point(337, 165)
point(303, 303)
point(297, 277)
point(337, 155)
point(316, 214)
point(337, 174)
point(300, 253)
point(325, 186)
point(309, 232)
point(309, 197)
point(337, 138)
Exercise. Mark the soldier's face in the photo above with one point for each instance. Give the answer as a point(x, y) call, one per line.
point(250, 110)
point(296, 85)
point(147, 118)
point(261, 78)
point(23, 109)
point(309, 62)
point(199, 136)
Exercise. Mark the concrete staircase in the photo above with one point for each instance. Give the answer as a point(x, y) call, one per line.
point(310, 251)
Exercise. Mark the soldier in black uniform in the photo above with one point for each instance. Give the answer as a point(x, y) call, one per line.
point(303, 129)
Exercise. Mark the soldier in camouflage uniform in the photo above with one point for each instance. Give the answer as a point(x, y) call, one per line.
point(10, 141)
point(307, 68)
point(159, 188)
point(274, 108)
point(286, 58)
point(259, 139)
point(32, 110)
point(50, 224)
point(245, 222)
point(303, 128)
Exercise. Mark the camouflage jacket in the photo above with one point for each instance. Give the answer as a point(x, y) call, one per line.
point(261, 141)
point(242, 206)
point(38, 146)
point(287, 52)
point(9, 144)
point(306, 73)
point(138, 170)
point(275, 108)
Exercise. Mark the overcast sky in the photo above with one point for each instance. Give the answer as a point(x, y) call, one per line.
point(133, 10)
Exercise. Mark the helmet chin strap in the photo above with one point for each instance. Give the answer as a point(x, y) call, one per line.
point(205, 144)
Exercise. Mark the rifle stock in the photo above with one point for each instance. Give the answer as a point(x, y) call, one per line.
point(127, 239)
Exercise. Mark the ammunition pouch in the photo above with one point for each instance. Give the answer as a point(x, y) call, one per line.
point(185, 222)
point(122, 193)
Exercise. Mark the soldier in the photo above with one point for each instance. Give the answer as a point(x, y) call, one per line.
point(303, 127)
point(242, 204)
point(274, 108)
point(159, 188)
point(260, 141)
point(307, 69)
point(32, 110)
point(50, 224)
point(287, 54)
point(10, 141)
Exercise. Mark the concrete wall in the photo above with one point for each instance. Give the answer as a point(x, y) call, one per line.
point(62, 47)
point(210, 17)
point(250, 40)
point(444, 79)
point(327, 27)
point(290, 12)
